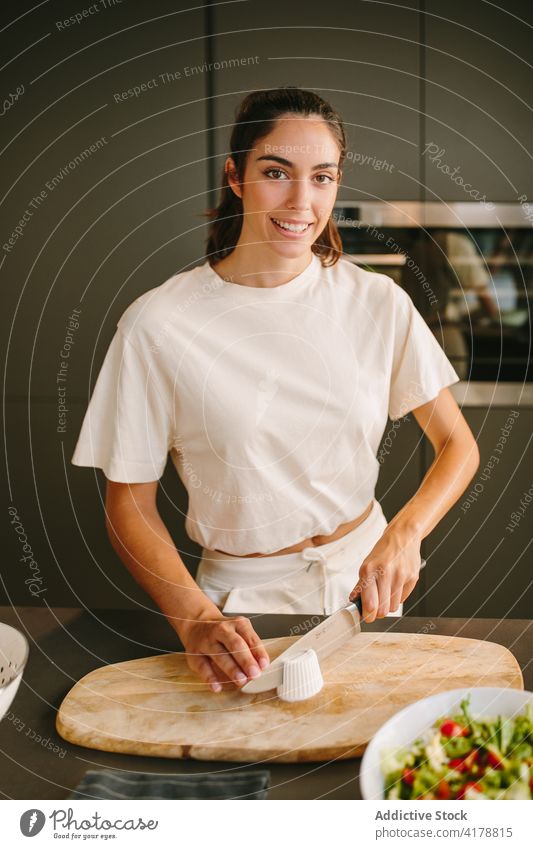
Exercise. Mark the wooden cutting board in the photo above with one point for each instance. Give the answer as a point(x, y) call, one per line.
point(155, 706)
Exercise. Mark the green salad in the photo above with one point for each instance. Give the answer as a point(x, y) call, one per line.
point(460, 757)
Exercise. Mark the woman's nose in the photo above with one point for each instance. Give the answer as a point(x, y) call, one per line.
point(299, 194)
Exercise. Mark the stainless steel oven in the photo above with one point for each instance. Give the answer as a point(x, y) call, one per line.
point(468, 268)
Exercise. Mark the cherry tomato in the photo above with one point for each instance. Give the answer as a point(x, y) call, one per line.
point(494, 760)
point(465, 762)
point(469, 784)
point(449, 728)
point(408, 777)
point(443, 790)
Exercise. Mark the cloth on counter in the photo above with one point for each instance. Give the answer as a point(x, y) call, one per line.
point(109, 784)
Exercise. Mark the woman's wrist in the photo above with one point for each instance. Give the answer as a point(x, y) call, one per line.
point(407, 527)
point(204, 610)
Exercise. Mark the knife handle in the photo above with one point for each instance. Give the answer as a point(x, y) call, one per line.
point(359, 604)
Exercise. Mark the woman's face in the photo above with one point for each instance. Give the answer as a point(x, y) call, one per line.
point(291, 178)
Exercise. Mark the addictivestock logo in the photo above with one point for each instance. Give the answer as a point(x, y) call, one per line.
point(31, 822)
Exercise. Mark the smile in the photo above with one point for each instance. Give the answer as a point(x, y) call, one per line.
point(297, 229)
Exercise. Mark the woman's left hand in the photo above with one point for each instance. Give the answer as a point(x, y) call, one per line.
point(388, 574)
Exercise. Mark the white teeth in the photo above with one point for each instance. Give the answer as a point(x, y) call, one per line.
point(295, 228)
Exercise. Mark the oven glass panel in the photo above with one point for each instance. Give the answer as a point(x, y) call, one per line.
point(472, 285)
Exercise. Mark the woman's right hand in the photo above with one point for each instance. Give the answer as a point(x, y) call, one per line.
point(223, 649)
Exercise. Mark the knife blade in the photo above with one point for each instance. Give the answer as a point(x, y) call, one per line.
point(323, 638)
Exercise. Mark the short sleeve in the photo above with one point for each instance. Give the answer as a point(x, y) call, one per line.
point(420, 368)
point(127, 426)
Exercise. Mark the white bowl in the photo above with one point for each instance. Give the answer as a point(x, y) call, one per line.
point(14, 650)
point(404, 727)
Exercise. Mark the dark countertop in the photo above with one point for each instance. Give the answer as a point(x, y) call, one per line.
point(67, 643)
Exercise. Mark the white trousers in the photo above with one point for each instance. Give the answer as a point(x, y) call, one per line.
point(316, 580)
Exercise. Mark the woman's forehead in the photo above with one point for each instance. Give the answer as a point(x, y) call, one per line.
point(311, 144)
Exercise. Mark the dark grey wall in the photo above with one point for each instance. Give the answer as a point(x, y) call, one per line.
point(128, 216)
point(477, 99)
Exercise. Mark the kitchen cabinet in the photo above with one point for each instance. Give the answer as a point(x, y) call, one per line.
point(61, 510)
point(477, 101)
point(125, 216)
point(365, 61)
point(479, 556)
point(120, 221)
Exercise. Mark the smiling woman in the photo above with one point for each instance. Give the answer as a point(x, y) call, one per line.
point(271, 386)
point(288, 148)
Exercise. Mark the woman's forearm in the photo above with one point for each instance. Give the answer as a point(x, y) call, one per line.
point(446, 479)
point(143, 543)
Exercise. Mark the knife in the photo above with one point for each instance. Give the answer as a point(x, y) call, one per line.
point(324, 639)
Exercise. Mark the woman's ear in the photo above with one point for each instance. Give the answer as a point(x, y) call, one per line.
point(231, 172)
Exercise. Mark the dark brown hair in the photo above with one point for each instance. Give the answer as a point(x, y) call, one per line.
point(255, 118)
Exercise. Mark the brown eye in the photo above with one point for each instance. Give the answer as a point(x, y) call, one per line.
point(273, 170)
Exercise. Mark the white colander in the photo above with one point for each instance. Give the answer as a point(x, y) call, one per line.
point(14, 650)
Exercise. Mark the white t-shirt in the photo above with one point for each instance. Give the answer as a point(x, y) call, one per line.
point(271, 401)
